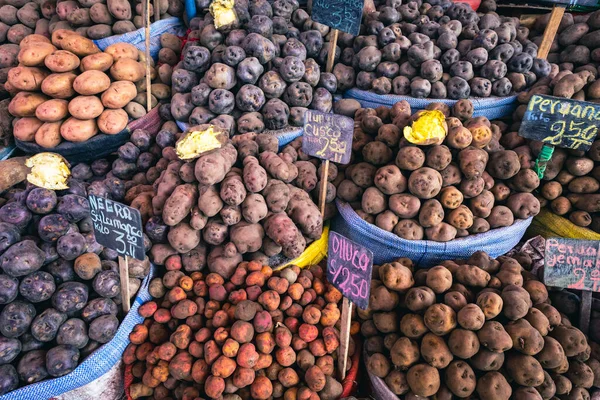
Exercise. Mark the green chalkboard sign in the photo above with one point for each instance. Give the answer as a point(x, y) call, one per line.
point(344, 15)
point(572, 264)
point(561, 122)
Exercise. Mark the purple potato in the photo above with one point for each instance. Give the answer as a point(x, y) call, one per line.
point(9, 380)
point(200, 93)
point(145, 161)
point(32, 367)
point(129, 152)
point(141, 139)
point(86, 225)
point(89, 348)
point(107, 284)
point(109, 254)
point(99, 307)
point(92, 245)
point(183, 81)
point(41, 201)
point(196, 58)
point(103, 328)
point(73, 332)
point(70, 297)
point(45, 326)
point(9, 349)
point(52, 227)
point(71, 246)
point(22, 258)
point(62, 271)
point(221, 101)
point(123, 170)
point(9, 235)
point(50, 253)
point(37, 287)
point(9, 288)
point(156, 230)
point(73, 207)
point(98, 189)
point(61, 360)
point(16, 318)
point(250, 98)
point(100, 167)
point(275, 114)
point(28, 343)
point(116, 187)
point(248, 71)
point(16, 214)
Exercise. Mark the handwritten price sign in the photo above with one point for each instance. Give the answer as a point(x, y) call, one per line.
point(117, 227)
point(328, 136)
point(572, 264)
point(561, 122)
point(344, 15)
point(349, 269)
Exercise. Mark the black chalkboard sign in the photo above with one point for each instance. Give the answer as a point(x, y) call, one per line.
point(572, 264)
point(117, 227)
point(344, 15)
point(328, 136)
point(349, 268)
point(561, 122)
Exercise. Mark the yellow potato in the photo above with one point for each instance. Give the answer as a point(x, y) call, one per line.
point(24, 129)
point(26, 78)
point(112, 122)
point(85, 107)
point(59, 86)
point(127, 69)
point(91, 82)
point(99, 62)
point(25, 103)
point(122, 50)
point(35, 53)
point(119, 94)
point(52, 110)
point(62, 61)
point(48, 136)
point(78, 130)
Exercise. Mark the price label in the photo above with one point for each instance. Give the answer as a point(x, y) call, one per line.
point(344, 15)
point(117, 227)
point(328, 136)
point(572, 264)
point(561, 122)
point(349, 269)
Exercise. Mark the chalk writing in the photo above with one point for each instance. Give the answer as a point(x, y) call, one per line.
point(572, 264)
point(344, 15)
point(328, 136)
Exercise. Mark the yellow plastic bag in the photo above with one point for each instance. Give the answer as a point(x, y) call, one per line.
point(548, 224)
point(313, 254)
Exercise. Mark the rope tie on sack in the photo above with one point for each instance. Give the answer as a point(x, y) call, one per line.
point(184, 39)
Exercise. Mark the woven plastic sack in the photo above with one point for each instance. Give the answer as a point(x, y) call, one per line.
point(138, 38)
point(547, 224)
point(98, 146)
point(386, 246)
point(284, 136)
point(96, 365)
point(490, 107)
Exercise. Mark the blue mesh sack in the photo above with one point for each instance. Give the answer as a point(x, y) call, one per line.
point(490, 107)
point(284, 136)
point(138, 38)
point(386, 246)
point(96, 365)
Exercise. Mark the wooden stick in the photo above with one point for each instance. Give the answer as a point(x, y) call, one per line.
point(344, 338)
point(585, 310)
point(323, 193)
point(148, 66)
point(550, 31)
point(124, 277)
point(331, 51)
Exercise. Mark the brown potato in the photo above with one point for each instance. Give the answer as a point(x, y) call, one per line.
point(52, 110)
point(112, 122)
point(48, 136)
point(404, 353)
point(486, 360)
point(423, 380)
point(471, 317)
point(119, 94)
point(77, 130)
point(26, 78)
point(74, 43)
point(126, 69)
point(97, 62)
point(85, 107)
point(122, 50)
point(435, 351)
point(24, 129)
point(494, 338)
point(439, 279)
point(523, 369)
point(59, 86)
point(493, 385)
point(412, 326)
point(525, 338)
point(62, 61)
point(460, 378)
point(33, 55)
point(491, 304)
point(91, 82)
point(440, 319)
point(24, 104)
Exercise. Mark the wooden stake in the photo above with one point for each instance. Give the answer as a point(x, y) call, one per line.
point(148, 66)
point(344, 338)
point(550, 31)
point(124, 277)
point(323, 193)
point(585, 310)
point(331, 51)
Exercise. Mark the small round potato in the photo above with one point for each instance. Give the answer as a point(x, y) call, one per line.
point(62, 61)
point(52, 110)
point(112, 121)
point(85, 107)
point(91, 82)
point(48, 136)
point(97, 62)
point(77, 130)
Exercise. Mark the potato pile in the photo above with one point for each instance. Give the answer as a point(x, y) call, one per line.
point(21, 18)
point(244, 200)
point(259, 334)
point(263, 74)
point(480, 327)
point(55, 102)
point(439, 49)
point(467, 185)
point(59, 289)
